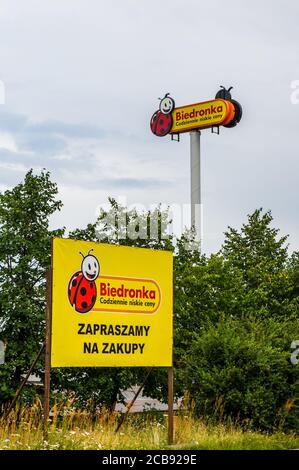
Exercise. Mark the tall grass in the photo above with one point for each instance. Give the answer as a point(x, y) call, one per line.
point(78, 429)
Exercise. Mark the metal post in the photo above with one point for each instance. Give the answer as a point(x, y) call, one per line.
point(170, 405)
point(48, 352)
point(195, 184)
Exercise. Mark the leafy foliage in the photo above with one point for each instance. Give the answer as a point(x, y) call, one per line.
point(243, 322)
point(241, 369)
point(25, 241)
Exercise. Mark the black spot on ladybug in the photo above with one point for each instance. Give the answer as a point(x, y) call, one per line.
point(161, 122)
point(83, 291)
point(84, 304)
point(162, 131)
point(91, 285)
point(74, 283)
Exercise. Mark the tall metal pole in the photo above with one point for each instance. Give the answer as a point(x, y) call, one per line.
point(48, 352)
point(195, 184)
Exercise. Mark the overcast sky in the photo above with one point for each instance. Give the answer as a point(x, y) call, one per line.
point(82, 79)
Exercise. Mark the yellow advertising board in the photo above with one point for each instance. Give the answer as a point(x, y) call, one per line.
point(111, 305)
point(201, 115)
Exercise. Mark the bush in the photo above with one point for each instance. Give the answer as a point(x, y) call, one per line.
point(241, 369)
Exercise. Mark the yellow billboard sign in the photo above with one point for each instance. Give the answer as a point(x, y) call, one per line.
point(201, 115)
point(111, 305)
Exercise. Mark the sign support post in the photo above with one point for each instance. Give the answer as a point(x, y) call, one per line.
point(170, 405)
point(195, 184)
point(47, 352)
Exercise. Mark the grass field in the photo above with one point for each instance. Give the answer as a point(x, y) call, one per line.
point(71, 429)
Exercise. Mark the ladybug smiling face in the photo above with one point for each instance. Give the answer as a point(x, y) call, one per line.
point(82, 289)
point(90, 267)
point(166, 104)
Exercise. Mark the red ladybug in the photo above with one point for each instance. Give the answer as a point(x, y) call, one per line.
point(161, 121)
point(82, 289)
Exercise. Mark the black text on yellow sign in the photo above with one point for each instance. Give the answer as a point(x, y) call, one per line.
point(112, 305)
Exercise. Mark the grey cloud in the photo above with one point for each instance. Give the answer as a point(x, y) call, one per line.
point(41, 143)
point(120, 183)
point(12, 122)
point(78, 171)
point(80, 131)
point(47, 137)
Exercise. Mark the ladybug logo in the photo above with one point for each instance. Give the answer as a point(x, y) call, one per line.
point(82, 289)
point(161, 121)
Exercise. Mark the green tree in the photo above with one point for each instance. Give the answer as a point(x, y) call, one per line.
point(241, 369)
point(245, 316)
point(262, 259)
point(24, 257)
point(294, 276)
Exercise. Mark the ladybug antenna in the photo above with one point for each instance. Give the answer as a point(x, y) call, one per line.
point(166, 94)
point(229, 89)
point(81, 254)
point(90, 251)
